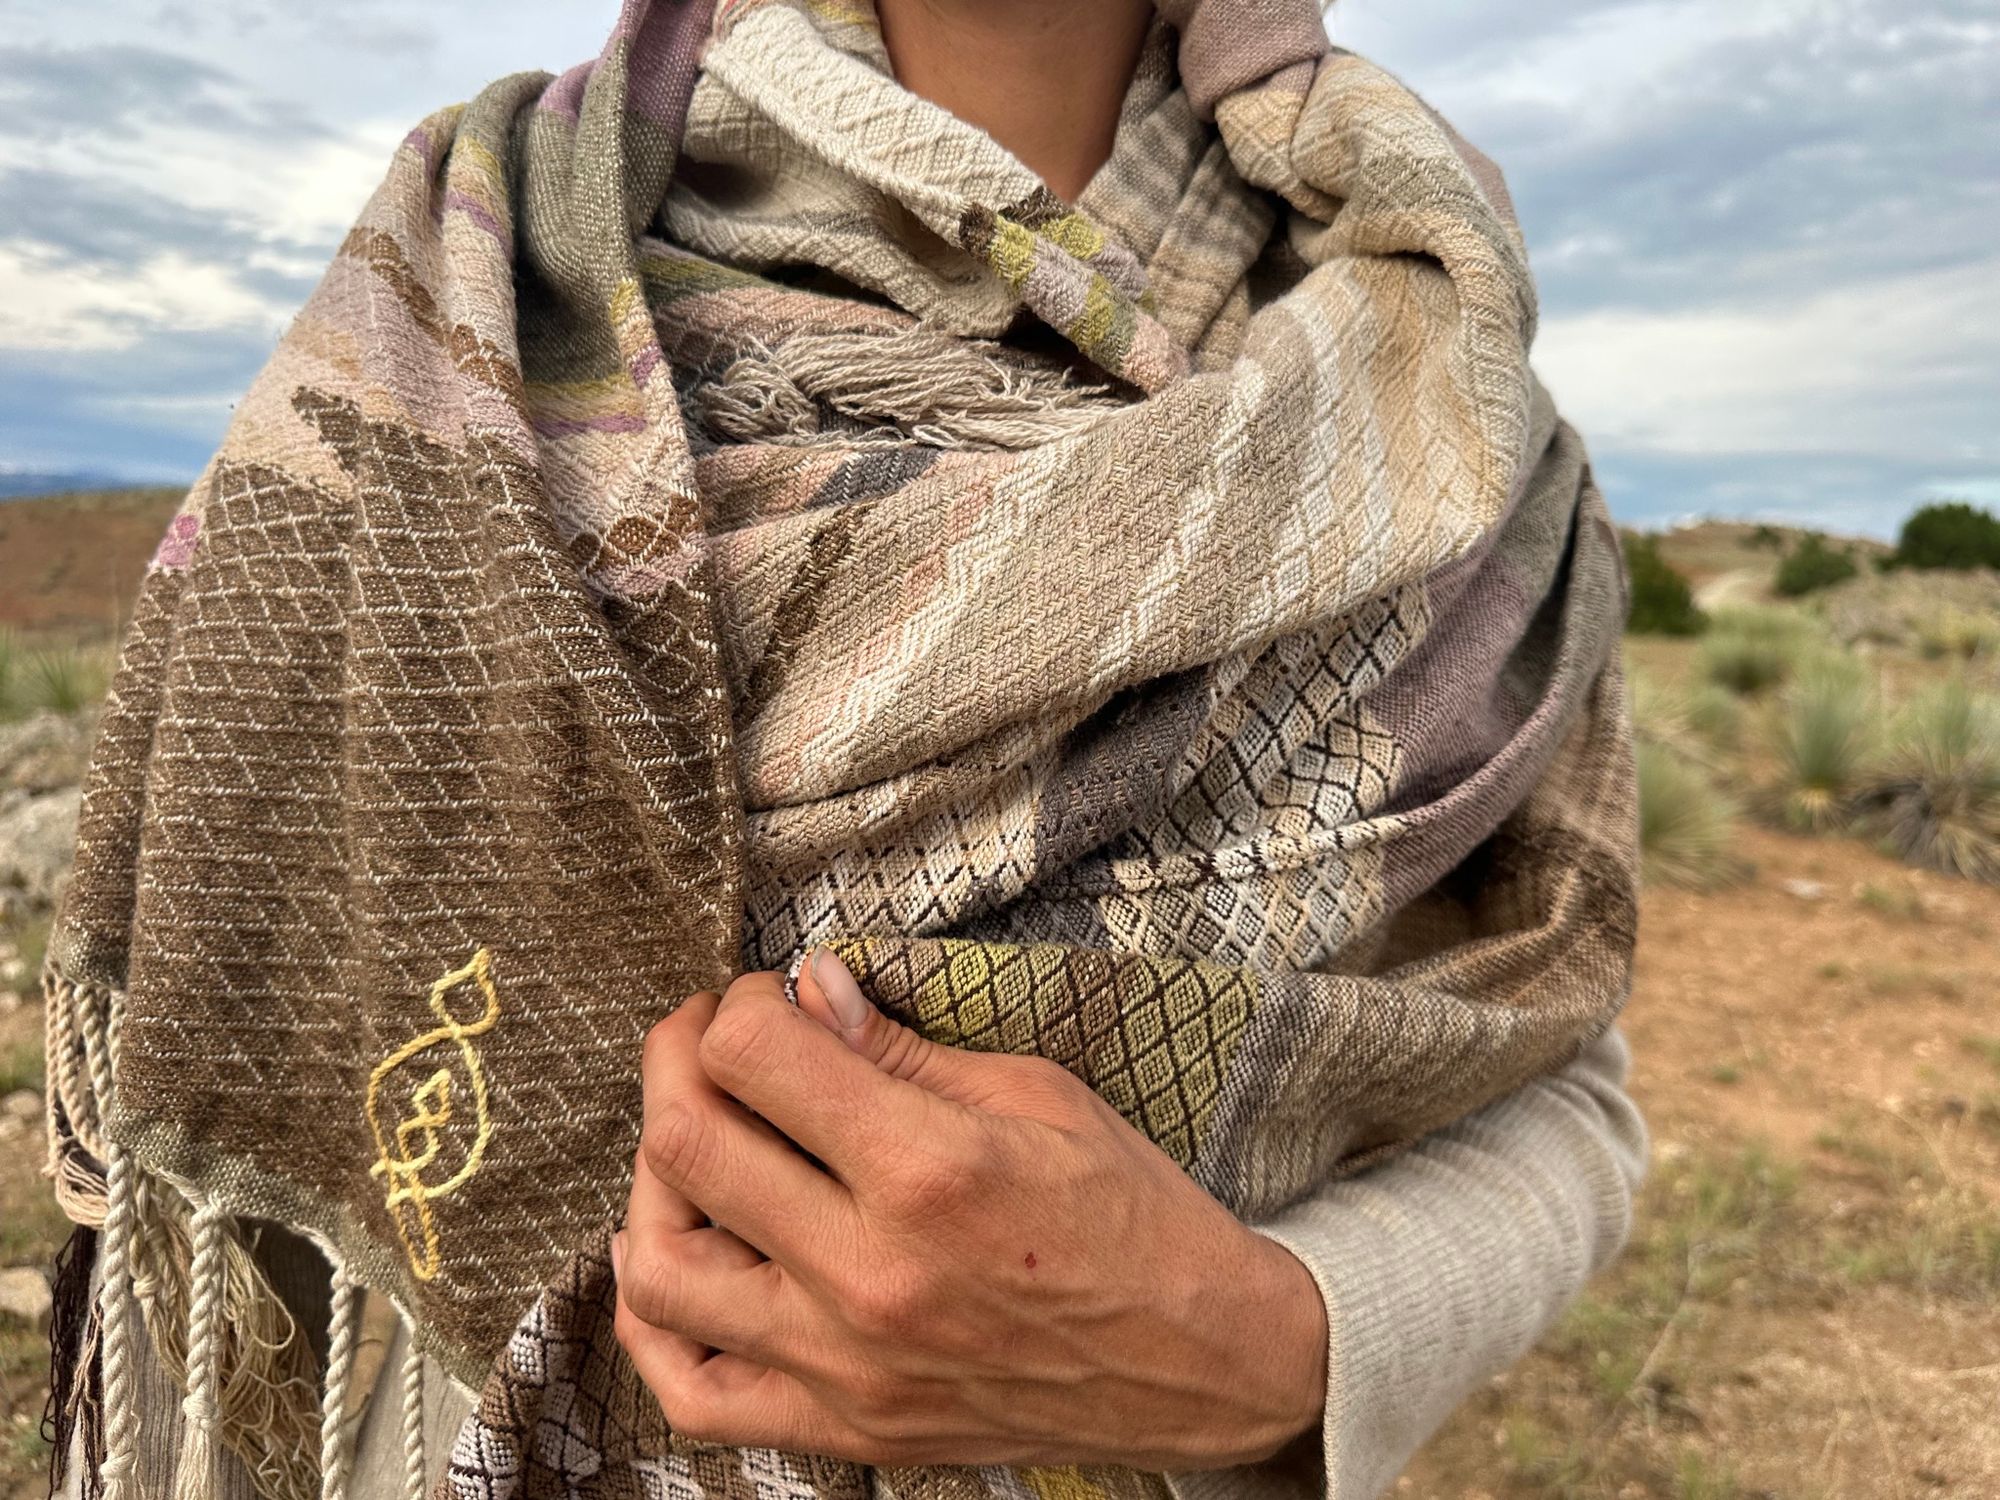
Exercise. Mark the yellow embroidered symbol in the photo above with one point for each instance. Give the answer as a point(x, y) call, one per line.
point(412, 1159)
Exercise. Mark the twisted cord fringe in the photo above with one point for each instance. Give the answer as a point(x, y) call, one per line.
point(333, 1448)
point(413, 1416)
point(196, 1474)
point(117, 1307)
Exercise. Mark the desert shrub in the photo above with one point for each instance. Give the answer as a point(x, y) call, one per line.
point(1662, 602)
point(66, 678)
point(1951, 534)
point(1687, 825)
point(1768, 539)
point(1938, 795)
point(1658, 710)
point(1951, 632)
point(1716, 714)
point(1812, 564)
point(1694, 720)
point(1825, 735)
point(1750, 650)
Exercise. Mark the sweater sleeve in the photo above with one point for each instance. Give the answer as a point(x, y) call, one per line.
point(1444, 1265)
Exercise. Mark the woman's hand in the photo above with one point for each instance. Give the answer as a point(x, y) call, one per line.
point(979, 1262)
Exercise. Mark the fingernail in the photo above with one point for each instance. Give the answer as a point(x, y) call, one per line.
point(843, 995)
point(617, 1254)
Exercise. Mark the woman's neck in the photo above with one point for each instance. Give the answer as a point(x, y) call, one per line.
point(1044, 78)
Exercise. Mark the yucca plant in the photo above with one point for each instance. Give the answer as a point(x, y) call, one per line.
point(1687, 825)
point(1938, 796)
point(1659, 711)
point(1956, 634)
point(1716, 714)
point(1825, 734)
point(1750, 651)
point(66, 679)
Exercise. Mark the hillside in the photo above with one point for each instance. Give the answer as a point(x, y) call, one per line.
point(69, 562)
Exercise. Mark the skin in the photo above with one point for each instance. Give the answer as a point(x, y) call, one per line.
point(1045, 78)
point(844, 1239)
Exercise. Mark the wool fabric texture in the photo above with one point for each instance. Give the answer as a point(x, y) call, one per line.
point(716, 503)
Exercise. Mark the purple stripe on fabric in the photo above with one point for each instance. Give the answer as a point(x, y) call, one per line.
point(565, 96)
point(643, 366)
point(666, 37)
point(555, 427)
point(481, 215)
point(419, 140)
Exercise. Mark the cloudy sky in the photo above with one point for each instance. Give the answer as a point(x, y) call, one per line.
point(1767, 231)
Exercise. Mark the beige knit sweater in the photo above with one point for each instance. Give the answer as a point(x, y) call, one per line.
point(1440, 1268)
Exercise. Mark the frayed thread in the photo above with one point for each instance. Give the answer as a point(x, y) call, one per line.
point(913, 383)
point(73, 1416)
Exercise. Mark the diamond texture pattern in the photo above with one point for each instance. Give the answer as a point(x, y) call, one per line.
point(1246, 735)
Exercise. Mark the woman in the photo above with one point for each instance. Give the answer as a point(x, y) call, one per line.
point(1012, 556)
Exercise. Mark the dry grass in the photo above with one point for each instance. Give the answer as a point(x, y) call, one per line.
point(1687, 825)
point(1938, 799)
point(1825, 739)
point(1752, 650)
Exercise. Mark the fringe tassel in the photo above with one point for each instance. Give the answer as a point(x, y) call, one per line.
point(334, 1454)
point(117, 1308)
point(413, 1415)
point(74, 1412)
point(197, 1474)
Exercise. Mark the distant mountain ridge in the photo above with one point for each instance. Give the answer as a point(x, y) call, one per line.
point(16, 483)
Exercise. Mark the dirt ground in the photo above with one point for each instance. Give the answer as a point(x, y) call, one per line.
point(1810, 1306)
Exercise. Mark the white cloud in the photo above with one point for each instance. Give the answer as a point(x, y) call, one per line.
point(56, 305)
point(1878, 369)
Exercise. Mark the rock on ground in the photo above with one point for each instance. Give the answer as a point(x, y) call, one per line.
point(24, 1296)
point(37, 843)
point(44, 753)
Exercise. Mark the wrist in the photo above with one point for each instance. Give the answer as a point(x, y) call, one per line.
point(1280, 1329)
point(1300, 1346)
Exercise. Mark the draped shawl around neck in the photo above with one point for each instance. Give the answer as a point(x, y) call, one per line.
point(718, 502)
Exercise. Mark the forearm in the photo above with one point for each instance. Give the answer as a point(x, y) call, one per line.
point(1443, 1266)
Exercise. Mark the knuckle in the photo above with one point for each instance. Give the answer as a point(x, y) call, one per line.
point(933, 1182)
point(651, 1284)
point(758, 984)
point(676, 1028)
point(737, 1042)
point(659, 1041)
point(679, 1140)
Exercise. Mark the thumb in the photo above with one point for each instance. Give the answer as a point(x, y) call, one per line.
point(829, 994)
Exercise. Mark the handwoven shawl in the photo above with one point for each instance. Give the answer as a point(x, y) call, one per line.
point(717, 502)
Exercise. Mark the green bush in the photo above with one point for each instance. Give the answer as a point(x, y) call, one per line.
point(1769, 538)
point(1687, 825)
point(1812, 564)
point(1750, 650)
point(67, 678)
point(1951, 534)
point(1825, 736)
point(1716, 714)
point(1662, 602)
point(1939, 795)
point(1956, 633)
